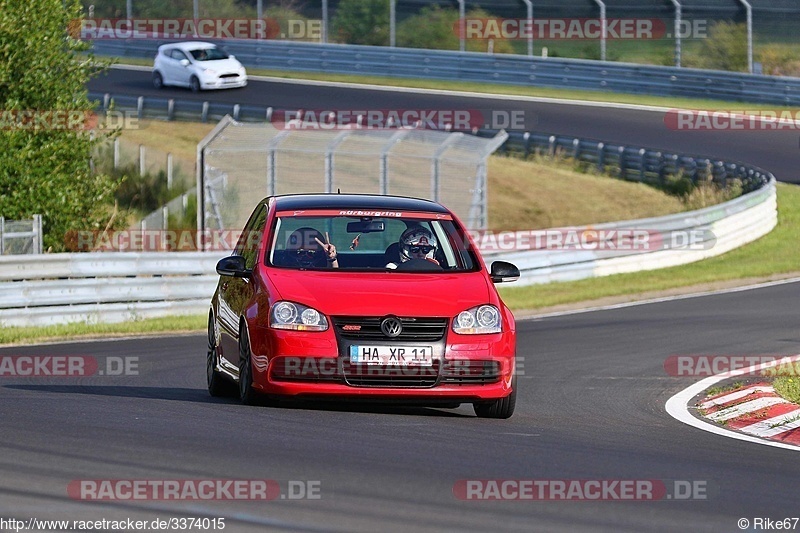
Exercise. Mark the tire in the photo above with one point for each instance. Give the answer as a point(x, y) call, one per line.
point(247, 393)
point(502, 408)
point(194, 84)
point(158, 80)
point(218, 385)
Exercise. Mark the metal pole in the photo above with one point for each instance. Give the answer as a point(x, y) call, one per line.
point(200, 190)
point(324, 21)
point(603, 30)
point(749, 9)
point(677, 32)
point(462, 25)
point(141, 160)
point(129, 9)
point(37, 220)
point(116, 153)
point(2, 235)
point(196, 9)
point(260, 9)
point(529, 4)
point(169, 171)
point(392, 23)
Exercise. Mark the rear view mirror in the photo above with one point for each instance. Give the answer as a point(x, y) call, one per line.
point(233, 266)
point(185, 62)
point(503, 272)
point(366, 226)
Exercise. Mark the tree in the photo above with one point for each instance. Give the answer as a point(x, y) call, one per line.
point(45, 167)
point(435, 28)
point(725, 48)
point(362, 22)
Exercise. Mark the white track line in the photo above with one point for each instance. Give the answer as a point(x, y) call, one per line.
point(732, 397)
point(775, 425)
point(677, 407)
point(744, 408)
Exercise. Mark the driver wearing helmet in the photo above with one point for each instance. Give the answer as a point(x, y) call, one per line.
point(306, 249)
point(416, 243)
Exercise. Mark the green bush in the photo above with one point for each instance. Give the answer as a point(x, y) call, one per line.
point(435, 28)
point(725, 48)
point(362, 22)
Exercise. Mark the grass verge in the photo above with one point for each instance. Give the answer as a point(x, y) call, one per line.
point(506, 90)
point(775, 253)
point(172, 324)
point(788, 387)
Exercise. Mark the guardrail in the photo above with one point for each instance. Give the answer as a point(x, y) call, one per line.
point(499, 69)
point(704, 233)
point(632, 163)
point(104, 287)
point(98, 287)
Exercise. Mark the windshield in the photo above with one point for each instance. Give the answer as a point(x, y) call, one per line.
point(429, 242)
point(208, 54)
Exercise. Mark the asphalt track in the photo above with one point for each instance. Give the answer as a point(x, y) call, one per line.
point(776, 151)
point(590, 407)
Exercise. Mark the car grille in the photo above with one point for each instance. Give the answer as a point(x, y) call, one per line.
point(229, 75)
point(369, 328)
point(390, 376)
point(470, 372)
point(305, 369)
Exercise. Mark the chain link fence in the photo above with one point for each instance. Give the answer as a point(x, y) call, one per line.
point(20, 237)
point(241, 163)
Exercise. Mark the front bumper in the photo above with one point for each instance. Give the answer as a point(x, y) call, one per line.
point(209, 82)
point(481, 369)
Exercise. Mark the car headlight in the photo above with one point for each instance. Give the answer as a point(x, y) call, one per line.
point(210, 72)
point(478, 320)
point(288, 315)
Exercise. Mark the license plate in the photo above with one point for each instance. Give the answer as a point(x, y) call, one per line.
point(392, 355)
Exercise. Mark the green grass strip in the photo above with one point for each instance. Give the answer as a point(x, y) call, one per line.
point(78, 330)
point(775, 253)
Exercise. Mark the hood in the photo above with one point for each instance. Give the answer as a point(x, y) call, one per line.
point(222, 66)
point(378, 294)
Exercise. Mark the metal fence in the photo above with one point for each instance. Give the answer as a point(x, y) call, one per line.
point(20, 237)
point(249, 161)
point(172, 215)
point(770, 21)
point(483, 68)
point(633, 163)
point(659, 168)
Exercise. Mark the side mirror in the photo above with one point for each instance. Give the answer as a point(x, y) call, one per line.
point(231, 56)
point(503, 272)
point(185, 62)
point(233, 266)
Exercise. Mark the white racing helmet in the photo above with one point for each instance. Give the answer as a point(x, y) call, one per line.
point(417, 243)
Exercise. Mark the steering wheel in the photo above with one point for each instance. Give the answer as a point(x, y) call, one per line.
point(419, 265)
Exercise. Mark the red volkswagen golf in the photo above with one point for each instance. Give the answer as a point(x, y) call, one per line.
point(361, 296)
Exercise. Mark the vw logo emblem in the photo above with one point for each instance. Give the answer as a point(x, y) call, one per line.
point(391, 326)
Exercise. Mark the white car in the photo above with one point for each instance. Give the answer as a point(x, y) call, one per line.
point(198, 66)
